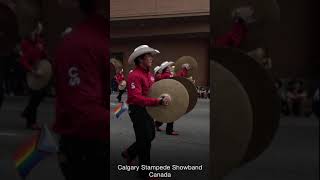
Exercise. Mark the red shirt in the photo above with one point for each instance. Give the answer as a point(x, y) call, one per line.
point(32, 53)
point(234, 37)
point(168, 75)
point(81, 69)
point(119, 77)
point(182, 73)
point(139, 83)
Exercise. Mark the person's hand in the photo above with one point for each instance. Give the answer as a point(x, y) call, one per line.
point(165, 100)
point(187, 66)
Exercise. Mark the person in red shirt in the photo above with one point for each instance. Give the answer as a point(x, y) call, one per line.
point(234, 37)
point(33, 51)
point(119, 77)
point(140, 81)
point(81, 69)
point(166, 73)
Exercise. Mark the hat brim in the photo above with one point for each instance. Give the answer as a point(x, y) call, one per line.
point(138, 53)
point(165, 66)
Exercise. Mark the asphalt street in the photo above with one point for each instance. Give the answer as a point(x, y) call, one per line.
point(294, 154)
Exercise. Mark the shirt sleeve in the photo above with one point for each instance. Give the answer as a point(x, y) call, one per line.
point(238, 34)
point(24, 60)
point(135, 91)
point(164, 76)
point(182, 73)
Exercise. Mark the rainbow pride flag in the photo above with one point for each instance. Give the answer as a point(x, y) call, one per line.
point(29, 155)
point(120, 109)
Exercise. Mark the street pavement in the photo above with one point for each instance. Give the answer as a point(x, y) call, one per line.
point(294, 154)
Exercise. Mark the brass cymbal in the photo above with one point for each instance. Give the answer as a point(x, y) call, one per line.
point(117, 64)
point(187, 60)
point(260, 87)
point(177, 108)
point(231, 121)
point(44, 68)
point(192, 91)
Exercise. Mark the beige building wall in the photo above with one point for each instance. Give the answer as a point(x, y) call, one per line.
point(143, 9)
point(175, 27)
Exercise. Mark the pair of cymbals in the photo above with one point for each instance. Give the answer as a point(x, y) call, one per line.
point(179, 100)
point(44, 70)
point(193, 72)
point(231, 121)
point(264, 110)
point(192, 91)
point(184, 98)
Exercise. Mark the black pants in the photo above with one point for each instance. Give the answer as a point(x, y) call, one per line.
point(169, 128)
point(84, 159)
point(144, 130)
point(119, 97)
point(30, 112)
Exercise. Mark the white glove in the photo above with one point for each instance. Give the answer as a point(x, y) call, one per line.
point(187, 66)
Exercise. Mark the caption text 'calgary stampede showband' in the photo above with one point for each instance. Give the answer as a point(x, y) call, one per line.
point(154, 170)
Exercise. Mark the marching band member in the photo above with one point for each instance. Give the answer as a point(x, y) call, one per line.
point(81, 67)
point(166, 73)
point(119, 77)
point(139, 83)
point(234, 37)
point(32, 52)
point(157, 72)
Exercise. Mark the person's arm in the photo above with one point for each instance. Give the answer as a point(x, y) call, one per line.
point(238, 33)
point(182, 73)
point(165, 76)
point(24, 59)
point(135, 89)
point(116, 77)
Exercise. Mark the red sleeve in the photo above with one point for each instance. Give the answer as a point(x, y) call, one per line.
point(135, 91)
point(119, 78)
point(182, 73)
point(238, 34)
point(122, 78)
point(164, 76)
point(158, 77)
point(116, 77)
point(24, 60)
point(232, 38)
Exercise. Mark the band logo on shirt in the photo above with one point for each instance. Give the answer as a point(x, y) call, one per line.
point(74, 77)
point(133, 86)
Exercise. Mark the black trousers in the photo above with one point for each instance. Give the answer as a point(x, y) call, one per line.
point(119, 97)
point(84, 159)
point(169, 128)
point(144, 130)
point(30, 112)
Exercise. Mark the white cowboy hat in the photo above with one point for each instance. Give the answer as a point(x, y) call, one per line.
point(140, 50)
point(156, 69)
point(166, 64)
